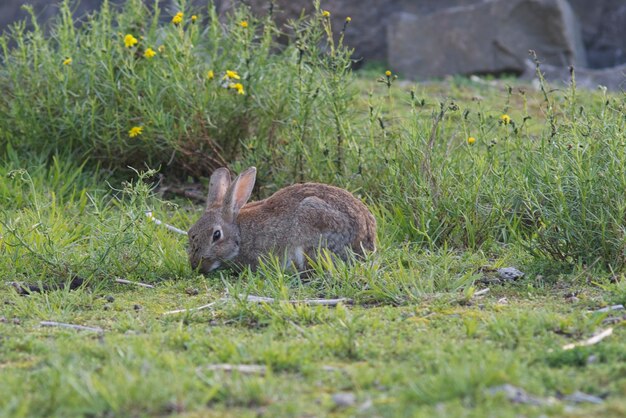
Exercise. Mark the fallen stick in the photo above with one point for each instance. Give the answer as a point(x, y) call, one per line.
point(170, 227)
point(609, 309)
point(324, 302)
point(481, 292)
point(590, 341)
point(241, 368)
point(72, 326)
point(124, 281)
point(199, 308)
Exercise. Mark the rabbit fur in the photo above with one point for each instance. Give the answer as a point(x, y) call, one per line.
point(293, 223)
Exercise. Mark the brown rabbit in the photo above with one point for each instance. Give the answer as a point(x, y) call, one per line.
point(293, 223)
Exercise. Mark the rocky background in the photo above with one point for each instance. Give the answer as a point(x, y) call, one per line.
point(422, 39)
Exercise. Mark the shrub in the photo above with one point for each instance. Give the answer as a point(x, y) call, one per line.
point(188, 91)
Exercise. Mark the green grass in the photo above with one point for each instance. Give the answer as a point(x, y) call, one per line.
point(544, 193)
point(415, 343)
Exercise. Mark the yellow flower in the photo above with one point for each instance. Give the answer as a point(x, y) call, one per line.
point(471, 140)
point(210, 75)
point(67, 61)
point(194, 18)
point(348, 19)
point(231, 74)
point(130, 40)
point(238, 87)
point(178, 18)
point(243, 23)
point(388, 73)
point(161, 48)
point(506, 119)
point(325, 13)
point(149, 53)
point(135, 131)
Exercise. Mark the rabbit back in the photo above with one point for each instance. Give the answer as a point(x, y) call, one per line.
point(298, 220)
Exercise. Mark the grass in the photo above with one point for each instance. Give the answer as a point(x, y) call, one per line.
point(416, 342)
point(541, 189)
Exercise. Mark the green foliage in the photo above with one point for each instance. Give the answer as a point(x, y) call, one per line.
point(85, 88)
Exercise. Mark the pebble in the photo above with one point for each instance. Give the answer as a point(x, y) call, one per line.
point(510, 273)
point(344, 399)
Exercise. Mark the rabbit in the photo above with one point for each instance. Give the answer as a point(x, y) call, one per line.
point(293, 223)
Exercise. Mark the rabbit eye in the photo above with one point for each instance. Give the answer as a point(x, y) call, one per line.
point(217, 235)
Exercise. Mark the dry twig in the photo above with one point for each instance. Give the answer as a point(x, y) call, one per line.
point(324, 302)
point(124, 281)
point(590, 341)
point(241, 368)
point(199, 308)
point(72, 326)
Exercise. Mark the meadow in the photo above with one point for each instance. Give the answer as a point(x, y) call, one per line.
point(131, 110)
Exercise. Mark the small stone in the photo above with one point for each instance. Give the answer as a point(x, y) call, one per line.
point(3, 320)
point(191, 291)
point(510, 273)
point(515, 394)
point(16, 321)
point(592, 359)
point(137, 307)
point(107, 307)
point(109, 298)
point(344, 399)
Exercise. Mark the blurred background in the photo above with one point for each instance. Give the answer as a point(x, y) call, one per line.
point(422, 39)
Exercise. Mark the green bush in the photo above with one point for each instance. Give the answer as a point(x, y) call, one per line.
point(133, 87)
point(192, 92)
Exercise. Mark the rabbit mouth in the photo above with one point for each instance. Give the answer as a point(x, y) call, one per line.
point(215, 266)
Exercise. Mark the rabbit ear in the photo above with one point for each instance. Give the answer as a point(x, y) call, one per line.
point(218, 186)
point(239, 193)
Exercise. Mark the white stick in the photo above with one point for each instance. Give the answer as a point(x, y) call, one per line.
point(124, 281)
point(481, 292)
point(609, 308)
point(241, 368)
point(63, 325)
point(590, 341)
point(324, 302)
point(199, 308)
point(170, 227)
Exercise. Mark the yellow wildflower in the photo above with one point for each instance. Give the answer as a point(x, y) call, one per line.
point(348, 19)
point(231, 75)
point(238, 87)
point(135, 131)
point(149, 53)
point(471, 140)
point(161, 48)
point(325, 13)
point(210, 75)
point(178, 18)
point(194, 18)
point(67, 61)
point(243, 23)
point(130, 40)
point(388, 73)
point(506, 119)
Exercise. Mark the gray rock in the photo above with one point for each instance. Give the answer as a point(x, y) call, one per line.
point(516, 395)
point(614, 78)
point(365, 32)
point(581, 397)
point(510, 273)
point(344, 399)
point(604, 36)
point(490, 37)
